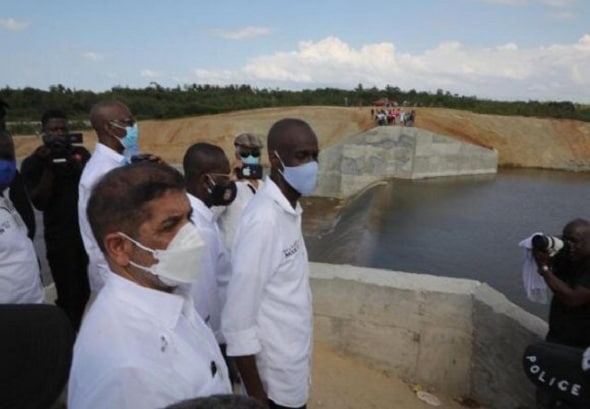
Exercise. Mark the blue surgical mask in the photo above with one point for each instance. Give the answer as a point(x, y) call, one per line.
point(7, 172)
point(251, 160)
point(129, 141)
point(302, 178)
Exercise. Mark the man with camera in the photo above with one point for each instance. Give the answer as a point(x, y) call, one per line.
point(567, 274)
point(564, 264)
point(248, 174)
point(51, 175)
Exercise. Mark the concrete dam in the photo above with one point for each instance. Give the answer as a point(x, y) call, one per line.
point(387, 152)
point(458, 336)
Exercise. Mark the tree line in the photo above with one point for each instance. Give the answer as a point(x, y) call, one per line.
point(26, 105)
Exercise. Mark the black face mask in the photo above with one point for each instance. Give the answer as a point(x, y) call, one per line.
point(222, 195)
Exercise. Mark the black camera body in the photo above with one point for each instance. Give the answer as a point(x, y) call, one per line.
point(61, 151)
point(249, 172)
point(75, 138)
point(551, 244)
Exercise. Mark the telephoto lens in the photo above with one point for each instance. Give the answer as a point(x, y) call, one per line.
point(552, 244)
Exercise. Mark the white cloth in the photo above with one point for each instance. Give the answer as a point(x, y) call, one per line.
point(208, 291)
point(268, 312)
point(229, 218)
point(534, 285)
point(20, 281)
point(143, 348)
point(103, 160)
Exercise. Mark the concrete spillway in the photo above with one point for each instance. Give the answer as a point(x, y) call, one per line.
point(387, 152)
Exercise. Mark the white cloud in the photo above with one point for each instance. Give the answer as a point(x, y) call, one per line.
point(507, 2)
point(550, 3)
point(555, 72)
point(11, 24)
point(562, 15)
point(92, 56)
point(557, 3)
point(243, 33)
point(147, 73)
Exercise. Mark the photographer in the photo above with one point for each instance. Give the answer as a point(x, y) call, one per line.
point(248, 173)
point(567, 274)
point(51, 175)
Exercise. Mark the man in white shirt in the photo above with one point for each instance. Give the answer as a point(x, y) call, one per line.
point(116, 131)
point(20, 281)
point(248, 174)
point(267, 318)
point(206, 171)
point(142, 344)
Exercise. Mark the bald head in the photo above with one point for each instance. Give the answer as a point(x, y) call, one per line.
point(288, 134)
point(105, 112)
point(577, 236)
point(580, 225)
point(203, 158)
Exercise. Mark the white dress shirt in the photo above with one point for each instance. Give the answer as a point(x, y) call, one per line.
point(20, 281)
point(268, 312)
point(103, 160)
point(229, 217)
point(208, 292)
point(143, 348)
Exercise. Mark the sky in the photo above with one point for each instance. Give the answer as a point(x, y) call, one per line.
point(496, 49)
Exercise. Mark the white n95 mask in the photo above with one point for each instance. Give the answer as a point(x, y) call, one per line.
point(180, 262)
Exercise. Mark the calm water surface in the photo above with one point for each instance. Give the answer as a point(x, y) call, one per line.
point(466, 227)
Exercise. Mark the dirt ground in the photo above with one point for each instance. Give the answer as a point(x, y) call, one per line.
point(519, 141)
point(340, 382)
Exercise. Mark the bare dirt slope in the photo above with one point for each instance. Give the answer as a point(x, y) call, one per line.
point(520, 141)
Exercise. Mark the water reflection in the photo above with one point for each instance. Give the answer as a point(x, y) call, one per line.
point(465, 227)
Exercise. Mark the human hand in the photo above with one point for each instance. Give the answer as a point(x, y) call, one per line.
point(43, 152)
point(541, 257)
point(147, 157)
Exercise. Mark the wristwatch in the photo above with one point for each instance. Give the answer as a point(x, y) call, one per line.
point(545, 268)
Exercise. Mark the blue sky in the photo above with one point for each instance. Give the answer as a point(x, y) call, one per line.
point(499, 49)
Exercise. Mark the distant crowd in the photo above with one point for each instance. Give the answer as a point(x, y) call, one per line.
point(393, 116)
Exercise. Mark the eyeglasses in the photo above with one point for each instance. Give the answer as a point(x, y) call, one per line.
point(221, 176)
point(125, 122)
point(245, 153)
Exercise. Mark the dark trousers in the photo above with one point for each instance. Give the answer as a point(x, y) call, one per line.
point(68, 262)
point(272, 405)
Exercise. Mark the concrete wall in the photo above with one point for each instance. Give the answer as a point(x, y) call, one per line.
point(453, 335)
point(397, 152)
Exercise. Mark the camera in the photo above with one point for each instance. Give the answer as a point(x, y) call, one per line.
point(75, 138)
point(249, 172)
point(551, 244)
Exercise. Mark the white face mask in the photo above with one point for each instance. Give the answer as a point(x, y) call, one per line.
point(180, 262)
point(302, 178)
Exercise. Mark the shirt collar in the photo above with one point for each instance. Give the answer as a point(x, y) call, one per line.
point(103, 150)
point(272, 190)
point(160, 306)
point(200, 207)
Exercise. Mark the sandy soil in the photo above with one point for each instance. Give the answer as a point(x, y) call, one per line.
point(339, 382)
point(520, 141)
